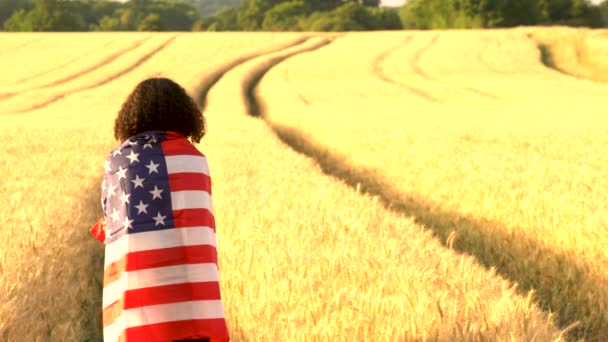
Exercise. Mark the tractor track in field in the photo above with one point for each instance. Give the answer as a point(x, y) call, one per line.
point(417, 57)
point(379, 71)
point(20, 46)
point(78, 74)
point(251, 81)
point(253, 102)
point(215, 76)
point(480, 238)
point(109, 59)
point(107, 80)
point(63, 65)
point(415, 62)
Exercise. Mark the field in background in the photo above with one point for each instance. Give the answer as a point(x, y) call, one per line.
point(580, 53)
point(470, 134)
point(436, 170)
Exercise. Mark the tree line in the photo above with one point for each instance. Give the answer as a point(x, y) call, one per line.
point(440, 14)
point(292, 15)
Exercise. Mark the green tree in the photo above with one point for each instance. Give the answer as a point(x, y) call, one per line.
point(353, 16)
point(47, 15)
point(151, 22)
point(150, 15)
point(432, 14)
point(92, 11)
point(108, 23)
point(8, 7)
point(225, 20)
point(251, 14)
point(285, 16)
point(206, 8)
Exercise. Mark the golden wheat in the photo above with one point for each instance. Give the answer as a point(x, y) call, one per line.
point(50, 266)
point(578, 52)
point(468, 132)
point(306, 258)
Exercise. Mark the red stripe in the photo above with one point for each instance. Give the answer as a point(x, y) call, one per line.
point(189, 181)
point(161, 295)
point(215, 329)
point(193, 218)
point(179, 146)
point(172, 294)
point(182, 255)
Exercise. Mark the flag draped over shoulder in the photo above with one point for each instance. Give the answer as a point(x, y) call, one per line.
point(161, 277)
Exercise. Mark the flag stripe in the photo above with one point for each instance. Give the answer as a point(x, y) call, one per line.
point(189, 181)
point(161, 295)
point(158, 277)
point(193, 218)
point(187, 164)
point(174, 147)
point(191, 200)
point(172, 294)
point(156, 314)
point(215, 328)
point(154, 258)
point(161, 275)
point(158, 239)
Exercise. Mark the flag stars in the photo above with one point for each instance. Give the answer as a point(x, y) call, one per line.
point(156, 193)
point(127, 223)
point(138, 181)
point(108, 166)
point(116, 153)
point(133, 157)
point(122, 173)
point(115, 215)
point(111, 190)
point(141, 208)
point(160, 220)
point(124, 198)
point(147, 146)
point(152, 167)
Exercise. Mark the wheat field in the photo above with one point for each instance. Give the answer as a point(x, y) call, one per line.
point(388, 186)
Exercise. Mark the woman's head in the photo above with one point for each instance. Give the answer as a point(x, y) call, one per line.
point(159, 104)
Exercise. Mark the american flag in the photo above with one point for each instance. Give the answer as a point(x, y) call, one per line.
point(161, 277)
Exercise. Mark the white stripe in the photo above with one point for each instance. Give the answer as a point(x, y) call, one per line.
point(160, 276)
point(158, 239)
point(187, 163)
point(191, 200)
point(154, 314)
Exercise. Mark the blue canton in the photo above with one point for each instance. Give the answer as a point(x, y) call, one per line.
point(136, 196)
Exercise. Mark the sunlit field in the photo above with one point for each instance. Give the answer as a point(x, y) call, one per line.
point(470, 134)
point(398, 186)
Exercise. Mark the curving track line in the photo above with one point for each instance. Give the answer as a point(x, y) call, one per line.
point(78, 74)
point(379, 71)
point(61, 66)
point(415, 62)
point(215, 76)
point(109, 79)
point(250, 83)
point(109, 59)
point(20, 46)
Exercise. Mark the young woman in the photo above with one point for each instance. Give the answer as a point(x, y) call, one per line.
point(161, 277)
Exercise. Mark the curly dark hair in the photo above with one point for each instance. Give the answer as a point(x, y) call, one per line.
point(159, 104)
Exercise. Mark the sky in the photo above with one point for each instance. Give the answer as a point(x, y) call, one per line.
point(392, 2)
